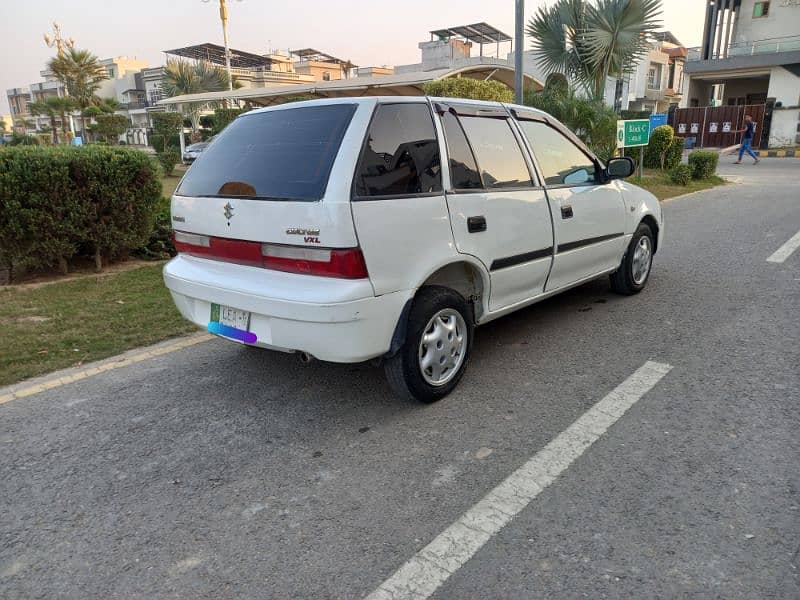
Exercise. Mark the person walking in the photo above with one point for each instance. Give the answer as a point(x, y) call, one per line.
point(747, 140)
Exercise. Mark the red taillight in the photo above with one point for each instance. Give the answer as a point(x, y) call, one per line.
point(347, 263)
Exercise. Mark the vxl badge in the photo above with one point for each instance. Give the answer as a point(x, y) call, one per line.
point(228, 211)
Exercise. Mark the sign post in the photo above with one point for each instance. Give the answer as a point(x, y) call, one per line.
point(633, 133)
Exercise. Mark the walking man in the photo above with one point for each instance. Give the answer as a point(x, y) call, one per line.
point(747, 140)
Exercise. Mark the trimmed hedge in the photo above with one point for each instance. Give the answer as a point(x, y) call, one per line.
point(703, 163)
point(57, 200)
point(465, 87)
point(168, 159)
point(656, 149)
point(674, 153)
point(680, 174)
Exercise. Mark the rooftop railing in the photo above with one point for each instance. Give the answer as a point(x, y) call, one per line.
point(768, 46)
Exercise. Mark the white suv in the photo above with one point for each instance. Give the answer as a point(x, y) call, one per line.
point(363, 228)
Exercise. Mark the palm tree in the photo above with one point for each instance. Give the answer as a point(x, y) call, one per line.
point(589, 42)
point(42, 107)
point(81, 73)
point(183, 77)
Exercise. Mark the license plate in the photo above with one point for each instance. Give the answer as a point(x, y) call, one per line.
point(232, 317)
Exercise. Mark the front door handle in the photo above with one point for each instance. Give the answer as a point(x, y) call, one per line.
point(566, 211)
point(476, 224)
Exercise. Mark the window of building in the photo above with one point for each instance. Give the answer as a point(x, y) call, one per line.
point(401, 153)
point(561, 161)
point(463, 168)
point(497, 152)
point(326, 76)
point(111, 72)
point(760, 9)
point(654, 76)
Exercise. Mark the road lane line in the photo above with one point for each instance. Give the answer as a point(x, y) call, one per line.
point(114, 363)
point(429, 568)
point(785, 251)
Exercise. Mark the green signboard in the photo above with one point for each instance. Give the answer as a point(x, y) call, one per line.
point(635, 132)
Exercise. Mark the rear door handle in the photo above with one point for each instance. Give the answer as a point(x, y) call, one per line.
point(476, 224)
point(566, 211)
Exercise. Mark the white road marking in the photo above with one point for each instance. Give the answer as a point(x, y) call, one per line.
point(785, 251)
point(429, 568)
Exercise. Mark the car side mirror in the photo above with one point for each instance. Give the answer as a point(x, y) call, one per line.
point(619, 168)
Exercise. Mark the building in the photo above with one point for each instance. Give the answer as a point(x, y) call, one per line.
point(449, 52)
point(121, 72)
point(750, 56)
point(653, 84)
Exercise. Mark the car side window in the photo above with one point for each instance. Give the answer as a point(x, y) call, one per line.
point(463, 168)
point(561, 161)
point(499, 156)
point(401, 153)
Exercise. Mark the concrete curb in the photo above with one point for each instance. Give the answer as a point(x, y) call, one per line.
point(778, 153)
point(65, 376)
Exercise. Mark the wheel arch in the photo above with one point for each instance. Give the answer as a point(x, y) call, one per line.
point(651, 222)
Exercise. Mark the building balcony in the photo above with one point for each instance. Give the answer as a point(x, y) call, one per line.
point(746, 55)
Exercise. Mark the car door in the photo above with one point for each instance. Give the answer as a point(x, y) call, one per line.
point(588, 216)
point(498, 212)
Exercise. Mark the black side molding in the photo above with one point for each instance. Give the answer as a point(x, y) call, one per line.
point(510, 261)
point(587, 242)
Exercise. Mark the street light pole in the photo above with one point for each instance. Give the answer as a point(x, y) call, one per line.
point(519, 42)
point(223, 16)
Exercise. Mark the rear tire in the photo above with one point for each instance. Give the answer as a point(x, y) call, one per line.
point(436, 348)
point(634, 271)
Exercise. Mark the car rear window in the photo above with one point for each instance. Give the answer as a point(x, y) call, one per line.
point(275, 155)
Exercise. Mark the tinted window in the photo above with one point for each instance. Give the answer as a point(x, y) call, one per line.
point(281, 154)
point(463, 169)
point(499, 156)
point(401, 154)
point(561, 161)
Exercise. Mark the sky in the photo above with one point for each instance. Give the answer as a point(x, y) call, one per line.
point(367, 32)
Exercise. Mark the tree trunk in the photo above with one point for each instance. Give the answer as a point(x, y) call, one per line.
point(98, 261)
point(63, 267)
point(55, 130)
point(84, 133)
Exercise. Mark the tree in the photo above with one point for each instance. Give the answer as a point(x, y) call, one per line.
point(110, 127)
point(184, 77)
point(589, 42)
point(43, 108)
point(81, 73)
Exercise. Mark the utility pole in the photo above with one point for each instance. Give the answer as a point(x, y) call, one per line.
point(223, 16)
point(57, 41)
point(519, 43)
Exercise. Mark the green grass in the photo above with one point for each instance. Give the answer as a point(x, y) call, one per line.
point(67, 324)
point(658, 183)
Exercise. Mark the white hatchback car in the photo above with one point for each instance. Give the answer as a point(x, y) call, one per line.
point(363, 228)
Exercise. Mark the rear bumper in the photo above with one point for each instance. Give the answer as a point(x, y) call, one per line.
point(335, 320)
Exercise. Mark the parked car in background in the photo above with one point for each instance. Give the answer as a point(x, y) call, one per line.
point(192, 151)
point(388, 228)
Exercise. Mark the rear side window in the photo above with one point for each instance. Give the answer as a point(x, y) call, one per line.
point(400, 155)
point(497, 151)
point(276, 155)
point(561, 161)
point(463, 168)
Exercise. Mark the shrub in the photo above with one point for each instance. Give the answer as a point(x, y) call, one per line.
point(703, 163)
point(160, 244)
point(110, 126)
point(465, 87)
point(166, 123)
point(680, 174)
point(674, 153)
point(23, 139)
point(168, 159)
point(156, 142)
point(660, 140)
point(223, 116)
point(54, 200)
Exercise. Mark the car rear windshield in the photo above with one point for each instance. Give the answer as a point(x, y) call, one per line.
point(275, 155)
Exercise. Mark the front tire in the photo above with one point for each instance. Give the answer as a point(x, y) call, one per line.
point(436, 348)
point(634, 271)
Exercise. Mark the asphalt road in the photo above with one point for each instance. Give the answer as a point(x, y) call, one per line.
point(218, 471)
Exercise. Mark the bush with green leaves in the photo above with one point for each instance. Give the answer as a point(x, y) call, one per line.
point(680, 174)
point(466, 87)
point(674, 153)
point(110, 126)
point(223, 116)
point(56, 200)
point(168, 159)
point(656, 149)
point(160, 244)
point(166, 124)
point(703, 163)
